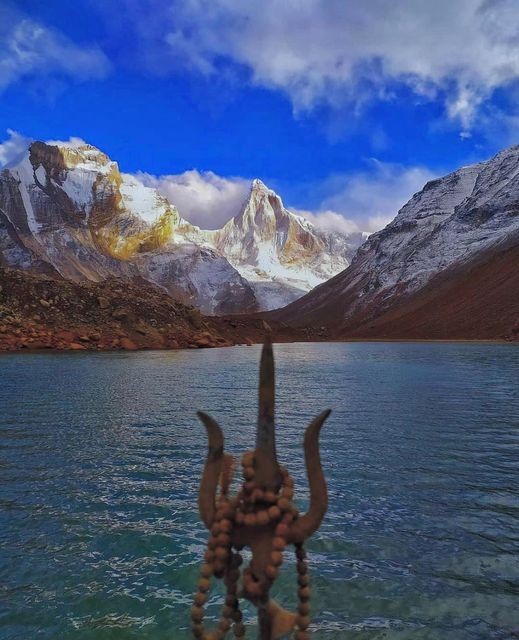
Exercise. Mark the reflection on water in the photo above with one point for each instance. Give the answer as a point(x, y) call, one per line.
point(101, 456)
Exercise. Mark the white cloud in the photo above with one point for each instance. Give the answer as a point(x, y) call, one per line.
point(29, 49)
point(73, 142)
point(330, 221)
point(336, 52)
point(13, 147)
point(372, 198)
point(365, 200)
point(348, 203)
point(203, 198)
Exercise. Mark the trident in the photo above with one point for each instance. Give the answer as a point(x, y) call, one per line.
point(262, 517)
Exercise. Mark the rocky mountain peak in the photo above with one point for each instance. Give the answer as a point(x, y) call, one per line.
point(259, 186)
point(62, 156)
point(262, 211)
point(280, 253)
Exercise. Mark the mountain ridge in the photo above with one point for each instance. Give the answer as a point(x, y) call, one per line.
point(453, 220)
point(67, 208)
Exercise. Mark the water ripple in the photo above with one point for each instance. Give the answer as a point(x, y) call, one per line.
point(100, 457)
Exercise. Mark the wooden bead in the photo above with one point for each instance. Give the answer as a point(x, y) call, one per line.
point(282, 530)
point(227, 511)
point(206, 570)
point(250, 520)
point(211, 543)
point(224, 625)
point(197, 629)
point(279, 544)
point(276, 558)
point(249, 486)
point(263, 517)
point(287, 518)
point(218, 566)
point(274, 513)
point(200, 599)
point(237, 615)
point(221, 553)
point(203, 584)
point(258, 495)
point(303, 608)
point(253, 588)
point(303, 622)
point(247, 459)
point(215, 529)
point(223, 540)
point(287, 493)
point(197, 613)
point(302, 567)
point(240, 517)
point(289, 481)
point(300, 552)
point(270, 497)
point(209, 555)
point(248, 473)
point(284, 504)
point(301, 635)
point(304, 593)
point(271, 572)
point(225, 525)
point(284, 472)
point(303, 580)
point(239, 630)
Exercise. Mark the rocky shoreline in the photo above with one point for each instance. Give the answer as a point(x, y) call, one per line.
point(40, 312)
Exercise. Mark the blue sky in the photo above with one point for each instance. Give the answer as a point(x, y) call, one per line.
point(345, 108)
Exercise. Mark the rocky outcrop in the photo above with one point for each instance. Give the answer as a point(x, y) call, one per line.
point(41, 312)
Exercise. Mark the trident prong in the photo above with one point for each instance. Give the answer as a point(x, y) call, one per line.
point(212, 469)
point(267, 468)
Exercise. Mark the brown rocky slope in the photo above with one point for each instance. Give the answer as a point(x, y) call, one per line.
point(476, 300)
point(40, 312)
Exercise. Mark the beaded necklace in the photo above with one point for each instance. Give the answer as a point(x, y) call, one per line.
point(253, 506)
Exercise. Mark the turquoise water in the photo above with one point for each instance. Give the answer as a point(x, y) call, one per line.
point(100, 457)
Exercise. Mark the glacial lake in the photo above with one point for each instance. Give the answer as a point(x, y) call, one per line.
point(101, 455)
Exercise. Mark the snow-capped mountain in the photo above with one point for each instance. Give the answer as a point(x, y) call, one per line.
point(66, 209)
point(466, 216)
point(281, 254)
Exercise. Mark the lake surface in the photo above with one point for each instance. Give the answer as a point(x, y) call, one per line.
point(101, 454)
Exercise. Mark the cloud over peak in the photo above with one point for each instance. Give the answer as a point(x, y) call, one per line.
point(346, 203)
point(203, 198)
point(13, 147)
